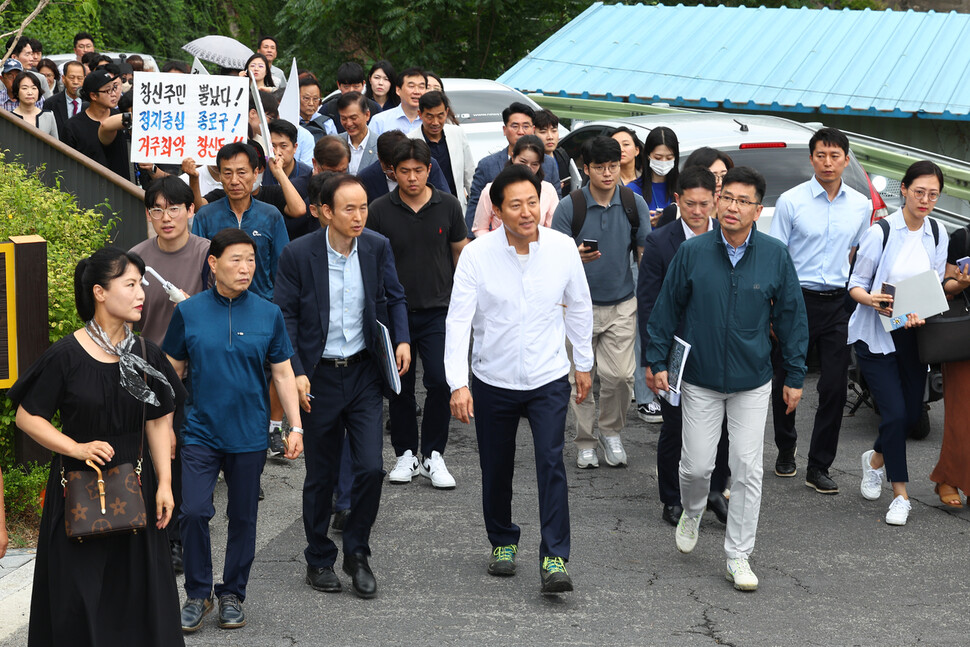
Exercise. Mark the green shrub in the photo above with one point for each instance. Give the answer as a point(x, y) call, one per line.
point(28, 206)
point(22, 487)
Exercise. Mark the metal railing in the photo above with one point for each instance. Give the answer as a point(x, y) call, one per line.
point(92, 185)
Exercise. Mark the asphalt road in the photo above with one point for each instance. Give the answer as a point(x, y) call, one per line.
point(831, 571)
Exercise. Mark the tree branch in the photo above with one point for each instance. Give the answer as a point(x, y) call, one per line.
point(41, 5)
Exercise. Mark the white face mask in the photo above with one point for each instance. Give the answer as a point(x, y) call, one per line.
point(661, 167)
point(125, 86)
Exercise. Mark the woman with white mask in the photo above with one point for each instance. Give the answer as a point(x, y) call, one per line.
point(662, 152)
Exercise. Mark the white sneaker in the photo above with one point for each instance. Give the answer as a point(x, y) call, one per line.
point(686, 533)
point(434, 468)
point(586, 459)
point(898, 511)
point(739, 572)
point(872, 478)
point(613, 452)
point(405, 469)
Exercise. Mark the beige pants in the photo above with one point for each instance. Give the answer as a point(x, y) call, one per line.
point(614, 333)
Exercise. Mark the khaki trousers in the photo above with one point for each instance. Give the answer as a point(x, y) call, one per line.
point(614, 333)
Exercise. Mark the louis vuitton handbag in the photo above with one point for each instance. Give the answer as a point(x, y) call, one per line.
point(101, 503)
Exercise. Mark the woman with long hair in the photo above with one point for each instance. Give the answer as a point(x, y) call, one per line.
point(380, 85)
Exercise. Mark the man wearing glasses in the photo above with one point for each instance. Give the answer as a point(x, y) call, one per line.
point(605, 238)
point(179, 256)
point(94, 131)
point(820, 221)
point(722, 291)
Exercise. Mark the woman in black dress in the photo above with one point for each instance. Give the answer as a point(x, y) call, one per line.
point(119, 589)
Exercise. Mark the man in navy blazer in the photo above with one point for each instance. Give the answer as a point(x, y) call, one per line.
point(67, 103)
point(375, 177)
point(518, 121)
point(695, 199)
point(333, 287)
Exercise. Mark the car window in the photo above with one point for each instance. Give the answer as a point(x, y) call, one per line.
point(573, 145)
point(480, 106)
point(784, 168)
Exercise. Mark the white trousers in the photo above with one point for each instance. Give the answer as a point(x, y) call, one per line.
point(703, 411)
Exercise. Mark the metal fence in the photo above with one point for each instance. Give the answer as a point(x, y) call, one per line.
point(92, 185)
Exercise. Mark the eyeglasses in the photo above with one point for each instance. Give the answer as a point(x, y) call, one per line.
point(157, 212)
point(919, 194)
point(742, 202)
point(603, 168)
point(114, 89)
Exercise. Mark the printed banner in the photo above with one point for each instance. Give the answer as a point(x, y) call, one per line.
point(184, 115)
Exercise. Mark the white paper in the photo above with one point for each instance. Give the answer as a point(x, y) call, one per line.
point(922, 294)
point(186, 115)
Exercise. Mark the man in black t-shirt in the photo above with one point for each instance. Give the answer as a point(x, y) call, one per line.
point(427, 231)
point(109, 147)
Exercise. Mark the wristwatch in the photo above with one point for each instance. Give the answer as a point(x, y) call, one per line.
point(296, 430)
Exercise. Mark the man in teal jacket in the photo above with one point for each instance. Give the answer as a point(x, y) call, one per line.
point(726, 290)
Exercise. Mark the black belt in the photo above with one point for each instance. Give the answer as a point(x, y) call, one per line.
point(837, 293)
point(344, 362)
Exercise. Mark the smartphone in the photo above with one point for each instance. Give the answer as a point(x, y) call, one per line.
point(963, 263)
point(592, 245)
point(890, 289)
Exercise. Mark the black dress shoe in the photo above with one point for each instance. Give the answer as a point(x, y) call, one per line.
point(323, 579)
point(785, 463)
point(672, 514)
point(718, 504)
point(340, 520)
point(231, 614)
point(819, 479)
point(176, 547)
point(193, 611)
point(356, 567)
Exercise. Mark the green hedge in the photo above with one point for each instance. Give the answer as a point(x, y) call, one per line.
point(28, 206)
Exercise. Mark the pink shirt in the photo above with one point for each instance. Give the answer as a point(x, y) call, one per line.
point(486, 221)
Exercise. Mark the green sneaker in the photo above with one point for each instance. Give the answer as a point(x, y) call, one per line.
point(555, 579)
point(502, 561)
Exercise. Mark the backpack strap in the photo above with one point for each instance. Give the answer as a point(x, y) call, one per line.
point(579, 211)
point(628, 200)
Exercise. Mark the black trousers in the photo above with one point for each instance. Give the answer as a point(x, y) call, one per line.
point(427, 339)
point(669, 445)
point(346, 398)
point(497, 413)
point(828, 330)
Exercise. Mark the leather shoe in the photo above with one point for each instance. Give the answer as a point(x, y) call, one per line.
point(718, 504)
point(340, 520)
point(671, 514)
point(785, 463)
point(323, 579)
point(364, 584)
point(819, 480)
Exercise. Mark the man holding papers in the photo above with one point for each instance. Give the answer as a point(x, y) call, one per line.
point(520, 290)
point(333, 286)
point(723, 290)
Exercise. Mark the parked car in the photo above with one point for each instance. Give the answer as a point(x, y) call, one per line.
point(776, 147)
point(478, 105)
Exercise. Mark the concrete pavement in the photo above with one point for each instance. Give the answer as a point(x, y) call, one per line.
point(832, 572)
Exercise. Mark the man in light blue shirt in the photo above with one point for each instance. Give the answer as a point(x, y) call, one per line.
point(820, 220)
point(411, 84)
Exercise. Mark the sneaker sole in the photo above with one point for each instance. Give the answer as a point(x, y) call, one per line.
point(786, 474)
point(821, 490)
point(897, 523)
point(501, 571)
point(587, 466)
point(740, 587)
point(651, 419)
point(558, 586)
point(400, 481)
point(437, 486)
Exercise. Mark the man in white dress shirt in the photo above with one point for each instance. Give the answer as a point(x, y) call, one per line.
point(520, 290)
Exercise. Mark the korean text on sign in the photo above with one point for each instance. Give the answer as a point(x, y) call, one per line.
point(181, 115)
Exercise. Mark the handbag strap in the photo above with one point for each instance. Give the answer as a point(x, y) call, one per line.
point(144, 412)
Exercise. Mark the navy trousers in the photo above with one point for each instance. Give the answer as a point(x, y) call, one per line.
point(669, 446)
point(896, 382)
point(497, 413)
point(200, 468)
point(427, 340)
point(828, 330)
point(347, 398)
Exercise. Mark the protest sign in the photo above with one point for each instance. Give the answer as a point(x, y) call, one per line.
point(182, 115)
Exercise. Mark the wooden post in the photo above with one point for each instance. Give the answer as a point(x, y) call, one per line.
point(32, 325)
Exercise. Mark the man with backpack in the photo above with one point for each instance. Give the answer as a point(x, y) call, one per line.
point(608, 222)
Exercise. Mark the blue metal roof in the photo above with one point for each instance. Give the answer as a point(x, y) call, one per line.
point(883, 63)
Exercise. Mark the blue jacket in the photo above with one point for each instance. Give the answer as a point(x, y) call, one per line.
point(303, 294)
point(489, 167)
point(658, 252)
point(725, 312)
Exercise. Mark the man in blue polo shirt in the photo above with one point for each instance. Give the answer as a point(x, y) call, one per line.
point(612, 287)
point(225, 336)
point(263, 223)
point(820, 221)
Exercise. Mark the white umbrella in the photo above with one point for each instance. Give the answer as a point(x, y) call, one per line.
point(221, 50)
